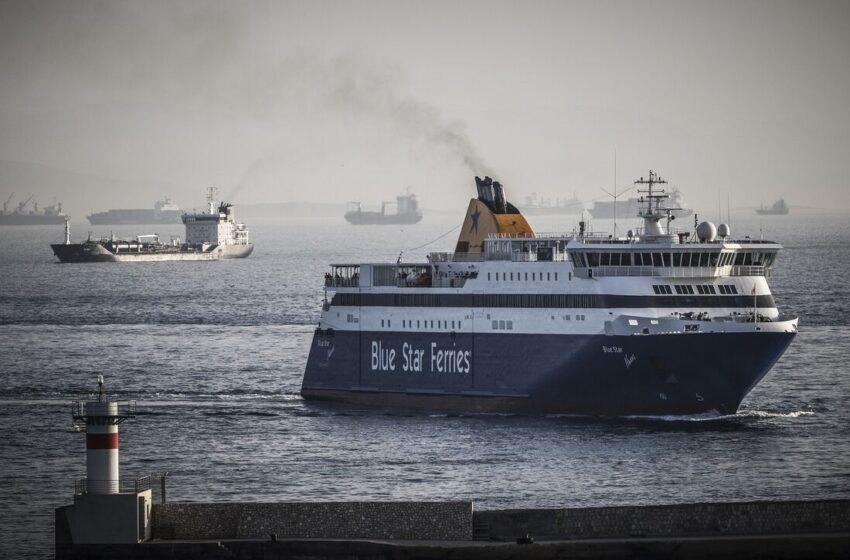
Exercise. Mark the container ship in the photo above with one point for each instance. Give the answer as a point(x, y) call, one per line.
point(608, 210)
point(20, 216)
point(211, 235)
point(163, 212)
point(658, 322)
point(405, 210)
point(537, 206)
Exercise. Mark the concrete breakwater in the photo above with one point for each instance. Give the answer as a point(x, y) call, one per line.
point(450, 521)
point(432, 530)
point(679, 520)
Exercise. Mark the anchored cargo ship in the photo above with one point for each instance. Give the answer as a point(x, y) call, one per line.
point(778, 208)
point(210, 236)
point(609, 209)
point(656, 323)
point(20, 216)
point(163, 212)
point(536, 205)
point(405, 210)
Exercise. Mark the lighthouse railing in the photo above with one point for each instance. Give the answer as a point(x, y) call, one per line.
point(122, 486)
point(80, 410)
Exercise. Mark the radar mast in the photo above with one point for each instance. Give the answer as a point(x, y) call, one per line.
point(212, 195)
point(654, 210)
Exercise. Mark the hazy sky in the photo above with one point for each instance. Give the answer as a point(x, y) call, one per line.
point(107, 104)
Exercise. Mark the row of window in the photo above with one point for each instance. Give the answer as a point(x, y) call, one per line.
point(541, 300)
point(424, 323)
point(687, 289)
point(509, 276)
point(509, 325)
point(662, 259)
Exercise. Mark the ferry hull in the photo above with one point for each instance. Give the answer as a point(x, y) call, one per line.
point(597, 375)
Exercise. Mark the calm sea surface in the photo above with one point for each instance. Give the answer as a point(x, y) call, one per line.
point(214, 353)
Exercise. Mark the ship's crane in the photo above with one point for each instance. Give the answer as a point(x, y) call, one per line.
point(6, 204)
point(21, 205)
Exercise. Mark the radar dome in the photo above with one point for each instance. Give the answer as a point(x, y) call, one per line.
point(723, 230)
point(706, 231)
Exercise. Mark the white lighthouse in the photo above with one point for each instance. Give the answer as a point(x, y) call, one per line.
point(106, 509)
point(101, 418)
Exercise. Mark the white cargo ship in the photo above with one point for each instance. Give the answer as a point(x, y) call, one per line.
point(211, 235)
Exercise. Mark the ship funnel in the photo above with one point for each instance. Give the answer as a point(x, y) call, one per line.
point(485, 190)
point(499, 198)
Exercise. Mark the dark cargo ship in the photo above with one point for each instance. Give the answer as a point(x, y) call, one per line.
point(778, 208)
point(405, 210)
point(660, 323)
point(20, 216)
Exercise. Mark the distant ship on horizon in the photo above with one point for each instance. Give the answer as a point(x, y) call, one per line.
point(163, 212)
point(605, 209)
point(406, 212)
point(778, 208)
point(52, 214)
point(537, 206)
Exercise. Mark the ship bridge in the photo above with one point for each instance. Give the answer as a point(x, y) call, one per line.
point(608, 257)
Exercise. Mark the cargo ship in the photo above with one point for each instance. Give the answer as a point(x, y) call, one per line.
point(20, 216)
point(538, 206)
point(405, 210)
point(658, 322)
point(628, 208)
point(778, 208)
point(163, 212)
point(211, 235)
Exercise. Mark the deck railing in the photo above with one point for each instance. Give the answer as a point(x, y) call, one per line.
point(122, 486)
point(341, 282)
point(455, 257)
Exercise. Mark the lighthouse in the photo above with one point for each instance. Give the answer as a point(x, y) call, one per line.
point(106, 509)
point(101, 418)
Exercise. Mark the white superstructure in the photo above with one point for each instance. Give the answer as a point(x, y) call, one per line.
point(216, 226)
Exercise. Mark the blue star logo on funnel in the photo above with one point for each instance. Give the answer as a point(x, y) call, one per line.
point(475, 215)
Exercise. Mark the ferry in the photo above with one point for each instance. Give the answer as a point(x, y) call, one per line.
point(659, 322)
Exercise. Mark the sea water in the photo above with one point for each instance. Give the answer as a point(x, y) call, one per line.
point(214, 353)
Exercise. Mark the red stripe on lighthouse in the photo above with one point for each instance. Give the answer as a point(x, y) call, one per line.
point(102, 441)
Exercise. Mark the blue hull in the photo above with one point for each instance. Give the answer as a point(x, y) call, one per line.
point(677, 374)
